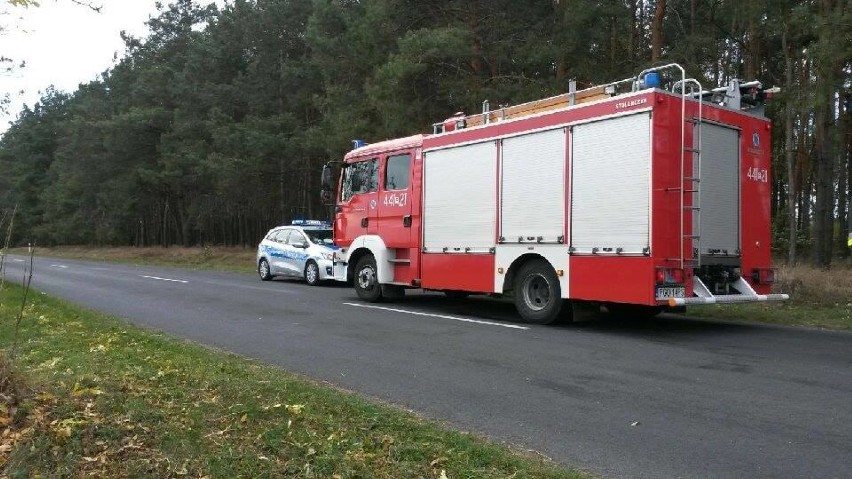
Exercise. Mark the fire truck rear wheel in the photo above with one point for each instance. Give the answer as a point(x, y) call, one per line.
point(538, 296)
point(366, 281)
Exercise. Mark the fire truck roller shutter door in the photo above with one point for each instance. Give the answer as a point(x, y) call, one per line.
point(720, 192)
point(532, 205)
point(611, 186)
point(533, 185)
point(459, 196)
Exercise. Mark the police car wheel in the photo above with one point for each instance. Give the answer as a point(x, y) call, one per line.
point(312, 274)
point(263, 270)
point(366, 281)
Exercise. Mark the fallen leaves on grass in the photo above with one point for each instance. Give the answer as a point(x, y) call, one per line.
point(125, 403)
point(82, 391)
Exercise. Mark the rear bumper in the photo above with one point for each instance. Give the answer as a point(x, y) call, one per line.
point(704, 296)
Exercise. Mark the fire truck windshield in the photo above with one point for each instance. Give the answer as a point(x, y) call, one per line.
point(361, 177)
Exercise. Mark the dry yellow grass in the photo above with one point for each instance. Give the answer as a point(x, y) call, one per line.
point(819, 298)
point(807, 284)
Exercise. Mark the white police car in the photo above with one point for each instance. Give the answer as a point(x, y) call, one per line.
point(303, 249)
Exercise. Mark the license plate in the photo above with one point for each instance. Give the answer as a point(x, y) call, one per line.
point(667, 293)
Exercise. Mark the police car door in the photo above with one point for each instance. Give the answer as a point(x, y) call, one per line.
point(296, 254)
point(278, 251)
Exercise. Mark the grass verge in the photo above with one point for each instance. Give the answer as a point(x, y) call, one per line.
point(830, 316)
point(101, 398)
point(818, 297)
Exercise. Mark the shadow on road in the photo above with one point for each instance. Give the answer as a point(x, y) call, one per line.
point(503, 310)
point(324, 284)
point(664, 324)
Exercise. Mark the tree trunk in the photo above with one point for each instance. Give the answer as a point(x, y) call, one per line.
point(613, 44)
point(282, 173)
point(692, 17)
point(657, 31)
point(476, 59)
point(805, 196)
point(633, 39)
point(788, 148)
point(824, 207)
point(753, 62)
point(848, 150)
point(824, 135)
point(844, 183)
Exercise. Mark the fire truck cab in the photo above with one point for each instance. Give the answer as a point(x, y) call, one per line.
point(628, 195)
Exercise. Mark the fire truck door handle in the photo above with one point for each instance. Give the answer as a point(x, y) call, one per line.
point(365, 222)
point(406, 221)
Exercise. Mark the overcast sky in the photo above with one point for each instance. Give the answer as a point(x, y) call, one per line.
point(64, 44)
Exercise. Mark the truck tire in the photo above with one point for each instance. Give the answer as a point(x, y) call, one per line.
point(366, 280)
point(538, 295)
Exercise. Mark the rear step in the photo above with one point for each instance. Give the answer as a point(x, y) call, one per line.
point(704, 296)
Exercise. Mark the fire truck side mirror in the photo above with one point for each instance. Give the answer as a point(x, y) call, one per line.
point(326, 178)
point(326, 190)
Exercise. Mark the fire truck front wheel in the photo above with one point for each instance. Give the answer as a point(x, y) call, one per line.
point(366, 281)
point(538, 296)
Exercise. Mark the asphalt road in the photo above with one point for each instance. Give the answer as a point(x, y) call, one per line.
point(673, 397)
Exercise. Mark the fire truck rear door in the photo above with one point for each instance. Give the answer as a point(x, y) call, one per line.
point(720, 192)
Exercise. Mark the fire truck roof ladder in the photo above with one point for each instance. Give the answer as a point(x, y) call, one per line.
point(505, 112)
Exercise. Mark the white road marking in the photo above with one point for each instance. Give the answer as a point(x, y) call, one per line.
point(17, 260)
point(59, 266)
point(442, 316)
point(166, 279)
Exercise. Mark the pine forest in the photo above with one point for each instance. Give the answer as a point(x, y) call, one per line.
point(215, 127)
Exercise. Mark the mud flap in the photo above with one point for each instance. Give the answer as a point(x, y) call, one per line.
point(584, 311)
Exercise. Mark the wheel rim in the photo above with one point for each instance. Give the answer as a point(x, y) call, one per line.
point(366, 278)
point(537, 292)
point(264, 269)
point(313, 272)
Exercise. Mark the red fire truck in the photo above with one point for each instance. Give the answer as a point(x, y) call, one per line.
point(643, 194)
